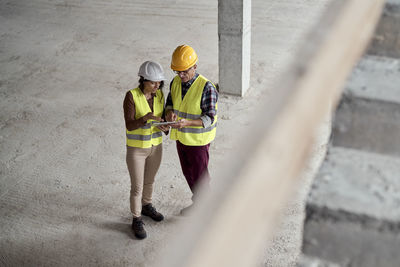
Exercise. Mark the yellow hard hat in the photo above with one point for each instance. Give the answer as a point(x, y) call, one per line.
point(183, 58)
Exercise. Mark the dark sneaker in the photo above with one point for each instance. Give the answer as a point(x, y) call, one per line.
point(149, 210)
point(138, 229)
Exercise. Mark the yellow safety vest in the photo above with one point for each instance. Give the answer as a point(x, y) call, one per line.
point(147, 135)
point(189, 108)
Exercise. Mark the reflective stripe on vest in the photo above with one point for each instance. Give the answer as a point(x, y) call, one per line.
point(189, 108)
point(147, 135)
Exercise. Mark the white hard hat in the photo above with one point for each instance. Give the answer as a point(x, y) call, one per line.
point(152, 71)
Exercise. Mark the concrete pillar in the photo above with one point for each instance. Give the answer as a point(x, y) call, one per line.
point(234, 32)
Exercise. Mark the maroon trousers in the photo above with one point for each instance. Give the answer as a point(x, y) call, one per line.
point(194, 164)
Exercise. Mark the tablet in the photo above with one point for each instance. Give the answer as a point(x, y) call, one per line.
point(158, 123)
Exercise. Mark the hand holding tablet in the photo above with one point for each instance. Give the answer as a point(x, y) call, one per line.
point(159, 123)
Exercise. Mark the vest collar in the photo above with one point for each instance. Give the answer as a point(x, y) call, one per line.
point(189, 83)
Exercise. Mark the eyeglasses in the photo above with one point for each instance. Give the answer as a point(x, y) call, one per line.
point(183, 72)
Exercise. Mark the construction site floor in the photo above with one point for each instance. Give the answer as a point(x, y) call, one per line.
point(65, 68)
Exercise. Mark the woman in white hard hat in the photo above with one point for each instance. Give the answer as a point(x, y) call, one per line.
point(143, 106)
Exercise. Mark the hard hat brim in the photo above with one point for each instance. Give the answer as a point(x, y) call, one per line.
point(180, 68)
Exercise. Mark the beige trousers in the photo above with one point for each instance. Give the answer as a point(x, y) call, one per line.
point(143, 164)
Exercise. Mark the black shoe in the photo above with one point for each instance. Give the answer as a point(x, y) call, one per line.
point(149, 210)
point(138, 229)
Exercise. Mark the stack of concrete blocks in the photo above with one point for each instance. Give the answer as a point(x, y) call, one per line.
point(353, 209)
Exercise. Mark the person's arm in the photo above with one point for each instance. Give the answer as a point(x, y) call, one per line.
point(169, 111)
point(129, 114)
point(168, 104)
point(209, 101)
point(169, 107)
point(163, 128)
point(185, 123)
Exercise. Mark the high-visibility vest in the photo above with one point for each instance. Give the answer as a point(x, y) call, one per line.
point(147, 135)
point(189, 108)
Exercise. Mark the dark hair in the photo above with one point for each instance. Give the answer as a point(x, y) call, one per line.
point(142, 80)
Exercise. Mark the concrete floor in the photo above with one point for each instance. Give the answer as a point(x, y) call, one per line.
point(65, 68)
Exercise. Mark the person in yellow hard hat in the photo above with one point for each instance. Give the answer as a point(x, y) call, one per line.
point(143, 106)
point(192, 103)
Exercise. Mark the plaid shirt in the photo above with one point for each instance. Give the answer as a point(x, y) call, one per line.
point(209, 100)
